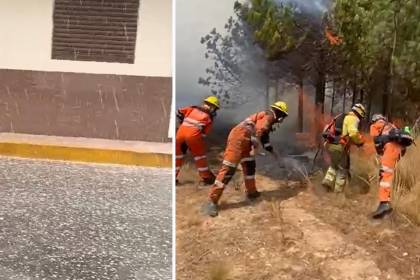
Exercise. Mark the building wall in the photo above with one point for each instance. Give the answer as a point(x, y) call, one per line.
point(79, 98)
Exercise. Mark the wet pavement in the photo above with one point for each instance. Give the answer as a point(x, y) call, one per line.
point(62, 220)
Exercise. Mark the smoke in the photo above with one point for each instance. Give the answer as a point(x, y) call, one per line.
point(195, 18)
point(283, 137)
point(253, 65)
point(314, 7)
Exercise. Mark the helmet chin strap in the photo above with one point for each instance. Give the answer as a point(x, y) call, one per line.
point(358, 114)
point(278, 119)
point(274, 113)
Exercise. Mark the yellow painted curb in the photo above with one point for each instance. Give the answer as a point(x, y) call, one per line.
point(85, 154)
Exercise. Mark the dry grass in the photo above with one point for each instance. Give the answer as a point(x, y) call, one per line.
point(276, 212)
point(406, 186)
point(219, 271)
point(364, 172)
point(193, 220)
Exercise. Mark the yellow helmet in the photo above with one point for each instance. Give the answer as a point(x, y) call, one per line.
point(212, 100)
point(281, 106)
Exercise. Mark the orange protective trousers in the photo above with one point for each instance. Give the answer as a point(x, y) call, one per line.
point(392, 153)
point(237, 151)
point(187, 138)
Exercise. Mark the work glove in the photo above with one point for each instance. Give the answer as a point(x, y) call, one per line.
point(184, 148)
point(213, 114)
point(180, 116)
point(254, 142)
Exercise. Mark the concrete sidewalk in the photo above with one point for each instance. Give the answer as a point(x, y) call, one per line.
point(86, 149)
point(65, 220)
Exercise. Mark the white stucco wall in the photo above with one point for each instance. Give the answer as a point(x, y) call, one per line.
point(26, 39)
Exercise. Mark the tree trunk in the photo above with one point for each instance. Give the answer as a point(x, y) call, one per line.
point(385, 97)
point(319, 106)
point(388, 107)
point(354, 88)
point(369, 107)
point(320, 93)
point(300, 108)
point(362, 96)
point(332, 100)
point(344, 100)
point(267, 93)
point(320, 84)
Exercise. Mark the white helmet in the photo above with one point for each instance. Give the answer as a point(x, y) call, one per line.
point(377, 117)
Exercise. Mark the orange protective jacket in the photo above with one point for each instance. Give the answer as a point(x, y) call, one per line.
point(260, 125)
point(390, 154)
point(196, 120)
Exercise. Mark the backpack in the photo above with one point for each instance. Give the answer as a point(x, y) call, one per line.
point(401, 137)
point(332, 131)
point(396, 135)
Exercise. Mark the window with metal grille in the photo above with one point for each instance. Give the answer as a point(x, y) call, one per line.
point(95, 30)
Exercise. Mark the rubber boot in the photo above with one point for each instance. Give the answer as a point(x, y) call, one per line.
point(253, 196)
point(211, 209)
point(329, 179)
point(328, 185)
point(383, 209)
point(340, 181)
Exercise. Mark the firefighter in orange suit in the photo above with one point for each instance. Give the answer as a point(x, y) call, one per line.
point(390, 143)
point(242, 139)
point(196, 122)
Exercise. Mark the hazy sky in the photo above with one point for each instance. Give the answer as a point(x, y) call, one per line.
point(194, 19)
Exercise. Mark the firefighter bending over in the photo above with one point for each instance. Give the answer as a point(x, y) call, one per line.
point(242, 141)
point(196, 122)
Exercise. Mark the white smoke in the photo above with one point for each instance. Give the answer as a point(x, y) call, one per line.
point(315, 7)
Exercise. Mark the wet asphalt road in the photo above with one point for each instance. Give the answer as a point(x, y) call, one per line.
point(83, 221)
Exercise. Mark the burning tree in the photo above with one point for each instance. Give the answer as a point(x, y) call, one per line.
point(289, 39)
point(293, 34)
point(366, 48)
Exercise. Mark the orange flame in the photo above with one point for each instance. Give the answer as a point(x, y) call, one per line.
point(333, 39)
point(315, 121)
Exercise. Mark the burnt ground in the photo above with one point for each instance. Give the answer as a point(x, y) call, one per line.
point(295, 231)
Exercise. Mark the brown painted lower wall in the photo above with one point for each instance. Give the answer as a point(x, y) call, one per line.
point(85, 105)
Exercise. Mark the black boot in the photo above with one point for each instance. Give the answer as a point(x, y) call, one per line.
point(253, 196)
point(208, 181)
point(383, 209)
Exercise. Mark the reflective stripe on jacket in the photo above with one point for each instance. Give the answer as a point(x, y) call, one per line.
point(260, 124)
point(197, 119)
